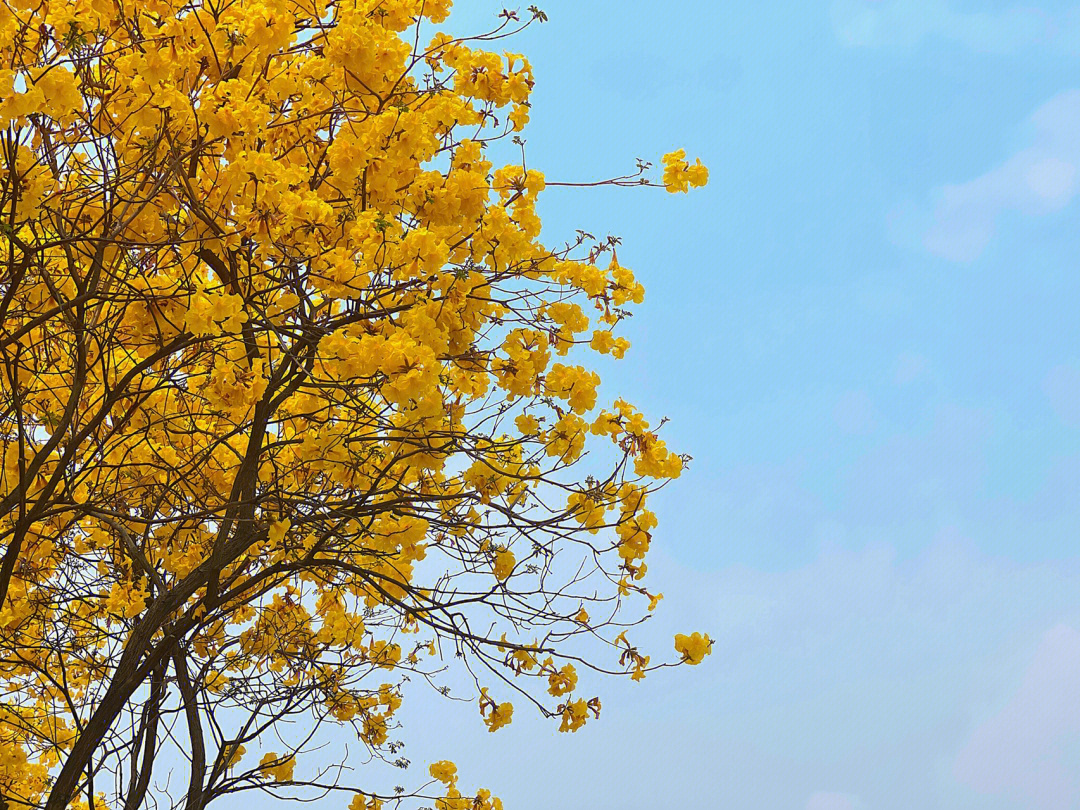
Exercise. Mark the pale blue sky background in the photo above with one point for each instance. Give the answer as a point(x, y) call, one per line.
point(865, 331)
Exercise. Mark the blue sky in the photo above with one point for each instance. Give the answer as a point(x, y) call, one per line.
point(865, 332)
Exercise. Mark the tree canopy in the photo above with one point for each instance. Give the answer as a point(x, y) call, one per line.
point(294, 402)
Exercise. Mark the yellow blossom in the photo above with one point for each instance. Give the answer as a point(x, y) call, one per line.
point(277, 767)
point(504, 563)
point(679, 175)
point(693, 648)
point(443, 770)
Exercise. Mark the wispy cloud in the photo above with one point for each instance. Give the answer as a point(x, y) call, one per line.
point(1039, 179)
point(859, 677)
point(1024, 750)
point(904, 23)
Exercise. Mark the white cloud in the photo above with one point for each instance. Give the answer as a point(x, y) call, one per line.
point(1024, 751)
point(850, 683)
point(864, 670)
point(904, 23)
point(1040, 179)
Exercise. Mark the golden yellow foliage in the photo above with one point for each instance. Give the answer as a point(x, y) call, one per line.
point(277, 390)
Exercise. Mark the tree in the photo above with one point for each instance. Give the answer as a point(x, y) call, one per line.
point(282, 421)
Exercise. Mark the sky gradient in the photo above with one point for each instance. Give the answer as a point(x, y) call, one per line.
point(865, 332)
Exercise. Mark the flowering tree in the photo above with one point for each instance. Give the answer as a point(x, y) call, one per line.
point(287, 406)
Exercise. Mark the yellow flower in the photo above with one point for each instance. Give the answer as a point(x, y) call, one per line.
point(693, 648)
point(236, 752)
point(602, 341)
point(277, 767)
point(504, 564)
point(697, 175)
point(278, 529)
point(574, 384)
point(528, 425)
point(574, 715)
point(680, 175)
point(125, 600)
point(216, 682)
point(60, 89)
point(362, 802)
point(443, 770)
point(496, 715)
point(500, 716)
point(562, 681)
